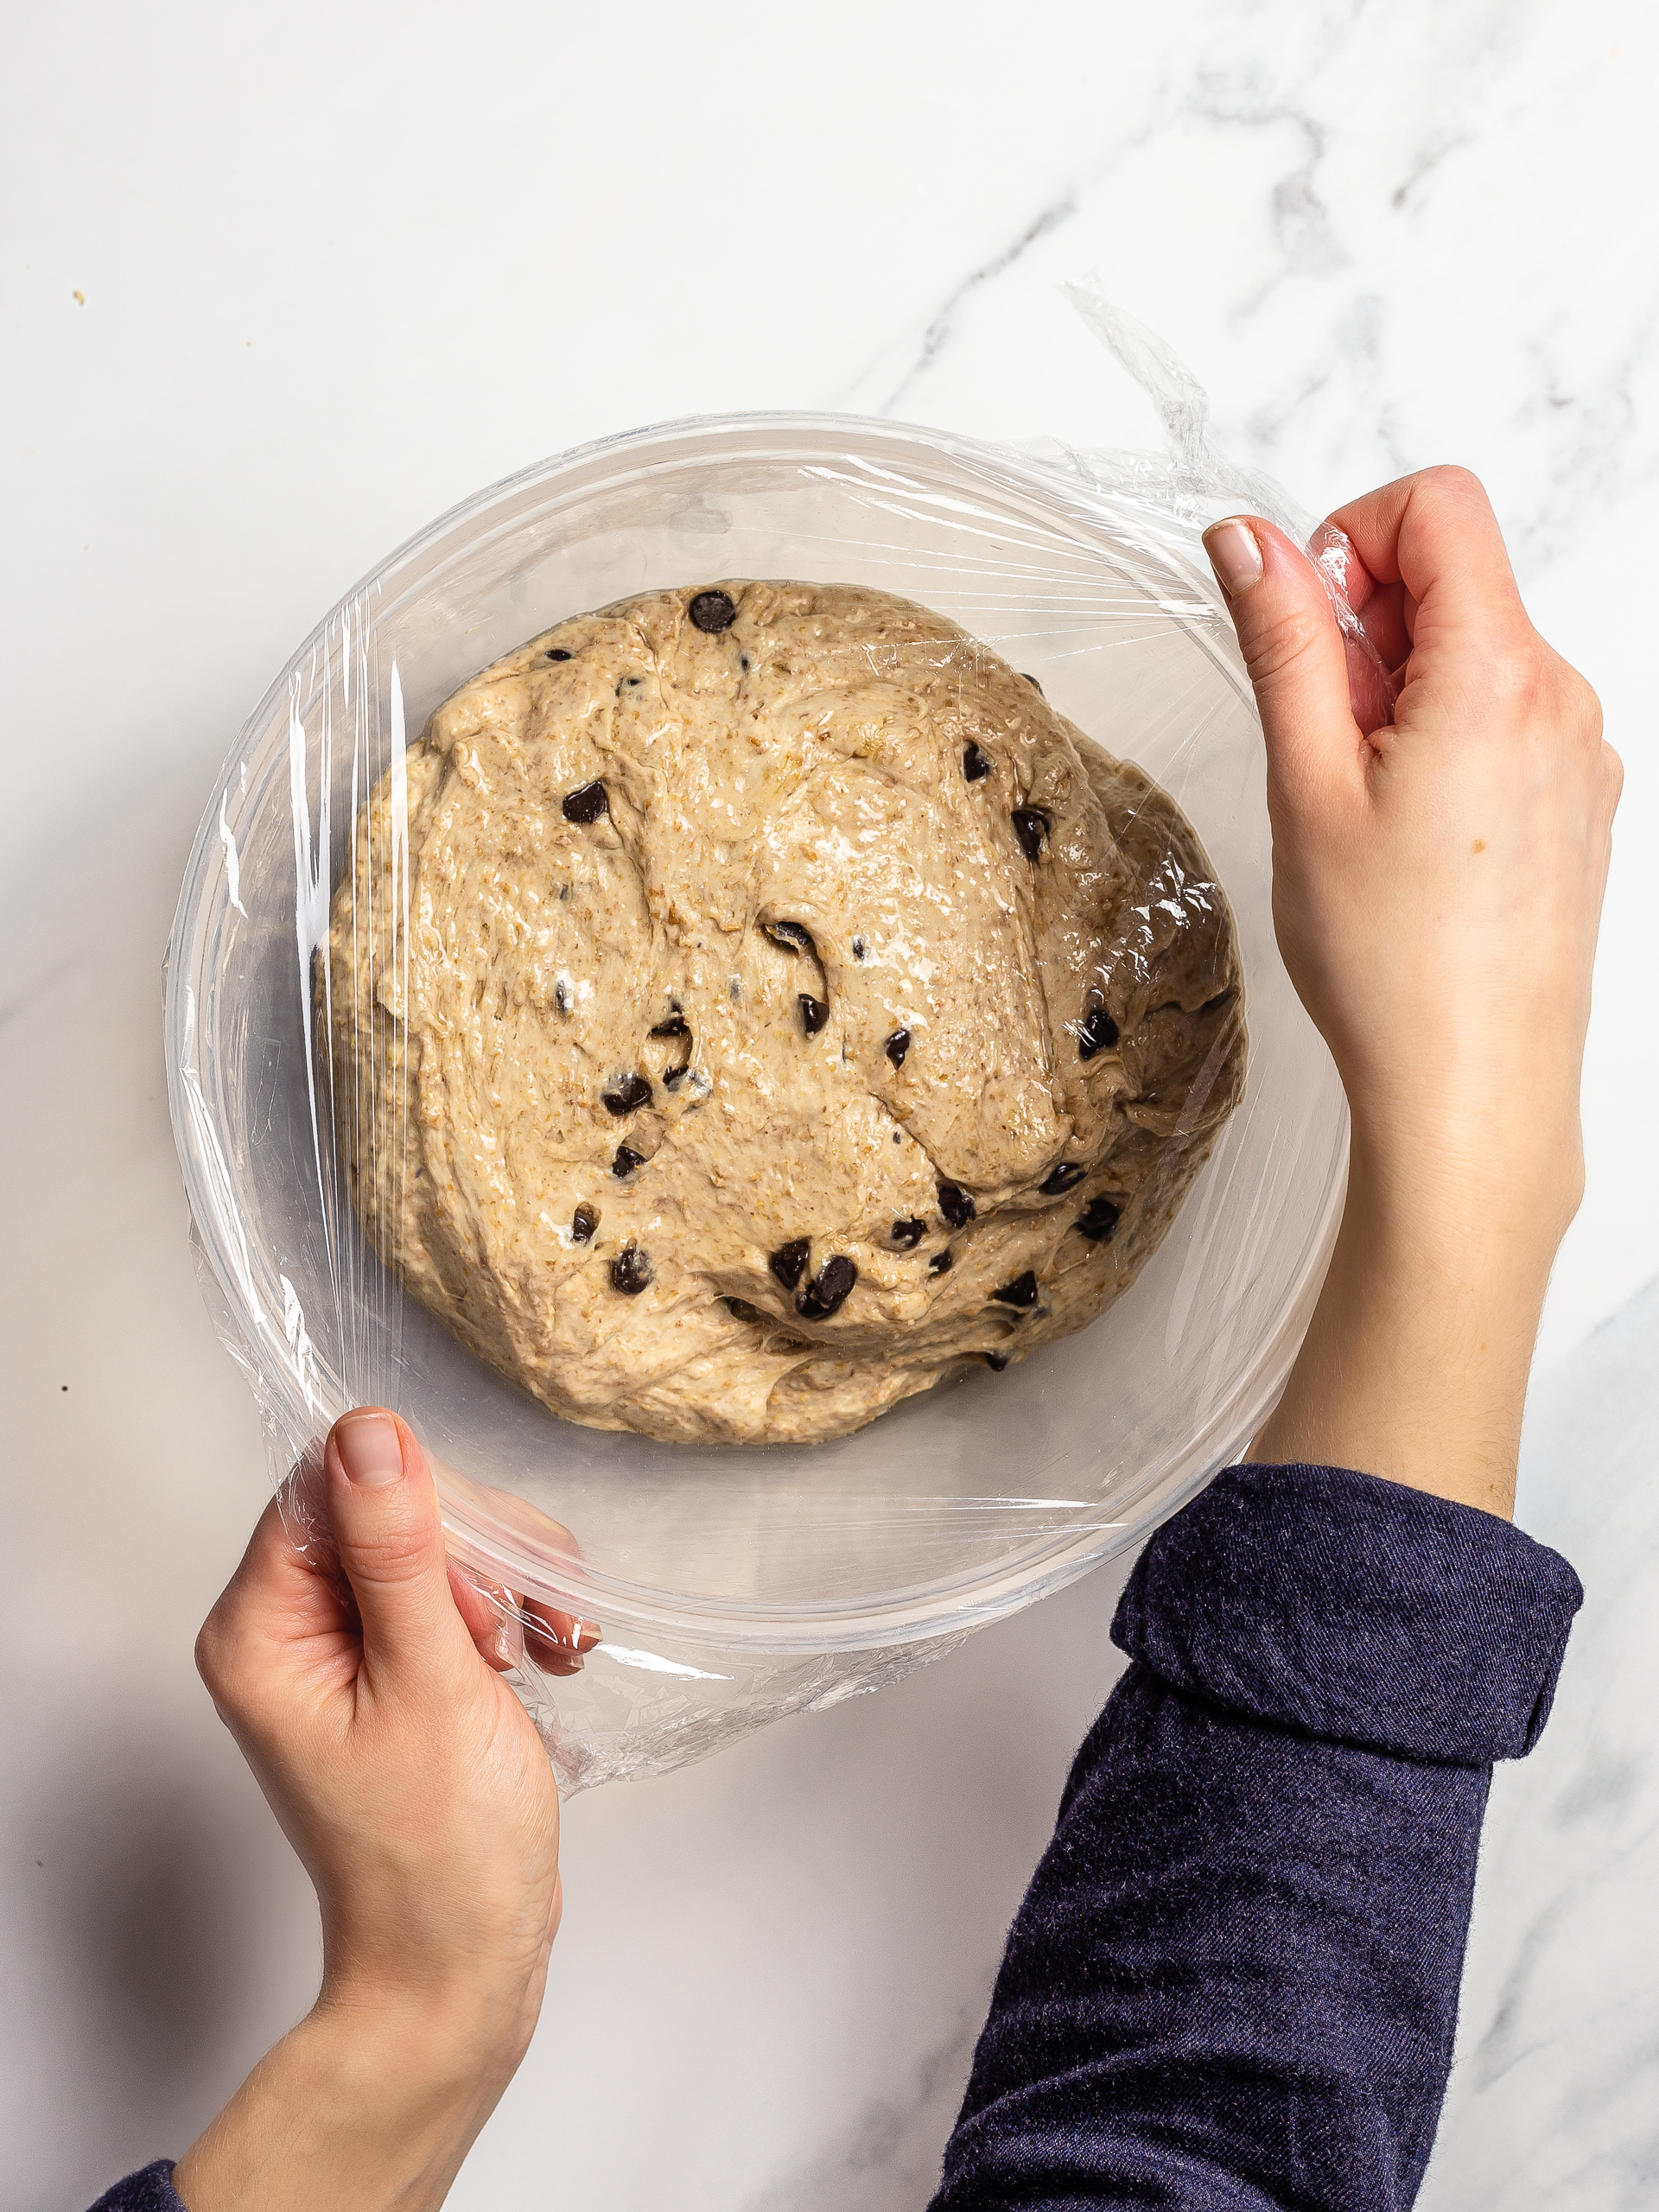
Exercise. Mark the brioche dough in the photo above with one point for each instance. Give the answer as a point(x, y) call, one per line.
point(791, 1007)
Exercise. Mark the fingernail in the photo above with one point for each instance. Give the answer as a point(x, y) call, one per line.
point(1235, 554)
point(370, 1449)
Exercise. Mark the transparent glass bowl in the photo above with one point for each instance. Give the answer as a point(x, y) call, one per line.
point(961, 1505)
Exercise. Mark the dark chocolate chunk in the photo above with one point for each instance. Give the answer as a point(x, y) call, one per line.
point(907, 1235)
point(814, 1012)
point(713, 610)
point(586, 804)
point(626, 1160)
point(630, 1271)
point(790, 936)
point(1022, 1291)
point(632, 1091)
point(1096, 1032)
point(557, 652)
point(941, 1263)
point(742, 1309)
point(676, 1026)
point(787, 1262)
point(1030, 827)
point(997, 1361)
point(675, 1077)
point(975, 764)
point(583, 1223)
point(827, 1293)
point(956, 1204)
point(1034, 684)
point(1098, 1219)
point(1062, 1179)
point(858, 947)
point(897, 1046)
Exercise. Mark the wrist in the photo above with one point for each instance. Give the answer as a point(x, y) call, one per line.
point(1468, 1152)
point(371, 2104)
point(1416, 1363)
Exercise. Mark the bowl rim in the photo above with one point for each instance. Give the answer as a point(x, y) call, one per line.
point(676, 1621)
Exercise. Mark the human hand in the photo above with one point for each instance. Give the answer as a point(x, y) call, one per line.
point(1437, 889)
point(413, 1785)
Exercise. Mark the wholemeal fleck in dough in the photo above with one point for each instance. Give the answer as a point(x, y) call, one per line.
point(791, 1007)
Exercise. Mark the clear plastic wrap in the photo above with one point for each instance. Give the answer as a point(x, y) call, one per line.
point(731, 1585)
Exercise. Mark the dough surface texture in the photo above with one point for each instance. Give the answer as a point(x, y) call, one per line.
point(779, 1005)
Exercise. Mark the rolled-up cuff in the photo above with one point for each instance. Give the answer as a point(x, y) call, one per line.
point(150, 2190)
point(1358, 1610)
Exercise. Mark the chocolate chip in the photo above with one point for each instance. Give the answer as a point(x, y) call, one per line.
point(675, 1078)
point(1095, 1033)
point(676, 1026)
point(975, 764)
point(814, 1012)
point(1098, 1219)
point(858, 947)
point(907, 1235)
point(1022, 1291)
point(941, 1263)
point(630, 1271)
point(561, 996)
point(997, 1361)
point(557, 652)
point(827, 1293)
point(742, 1309)
point(587, 802)
point(956, 1204)
point(897, 1046)
point(1030, 827)
point(583, 1223)
point(1062, 1179)
point(1034, 684)
point(790, 936)
point(787, 1262)
point(632, 1091)
point(713, 610)
point(626, 1160)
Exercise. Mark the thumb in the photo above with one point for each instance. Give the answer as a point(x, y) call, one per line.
point(1288, 635)
point(384, 1512)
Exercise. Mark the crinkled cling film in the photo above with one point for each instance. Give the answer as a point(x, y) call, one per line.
point(662, 1594)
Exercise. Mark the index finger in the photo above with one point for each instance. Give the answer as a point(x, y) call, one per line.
point(1436, 534)
point(279, 1602)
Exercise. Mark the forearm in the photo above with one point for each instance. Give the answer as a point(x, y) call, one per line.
point(1414, 1366)
point(1235, 1976)
point(1208, 1996)
point(349, 2108)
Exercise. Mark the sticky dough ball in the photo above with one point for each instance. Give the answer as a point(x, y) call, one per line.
point(779, 1005)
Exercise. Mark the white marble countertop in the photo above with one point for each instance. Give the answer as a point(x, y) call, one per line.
point(278, 288)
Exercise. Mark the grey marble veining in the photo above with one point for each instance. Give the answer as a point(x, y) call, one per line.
point(1555, 2094)
point(267, 314)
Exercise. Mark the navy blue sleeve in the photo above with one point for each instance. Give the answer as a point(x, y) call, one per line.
point(150, 2190)
point(1233, 1982)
